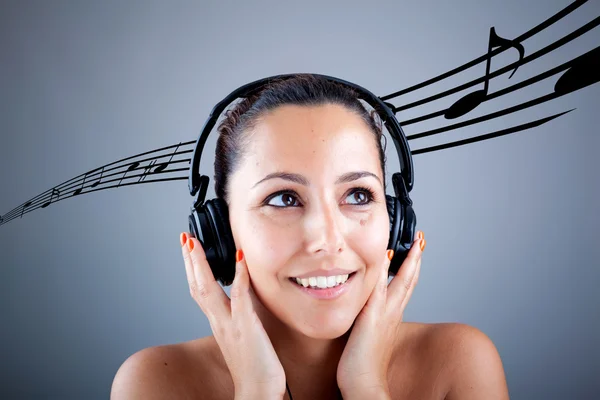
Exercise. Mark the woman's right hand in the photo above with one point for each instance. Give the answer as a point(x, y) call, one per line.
point(246, 347)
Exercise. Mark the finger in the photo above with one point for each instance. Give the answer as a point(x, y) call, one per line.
point(189, 267)
point(376, 303)
point(403, 281)
point(204, 289)
point(412, 286)
point(416, 280)
point(241, 303)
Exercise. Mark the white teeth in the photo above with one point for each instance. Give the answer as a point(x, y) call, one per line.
point(322, 282)
point(331, 281)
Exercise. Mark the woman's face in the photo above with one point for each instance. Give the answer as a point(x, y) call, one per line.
point(317, 224)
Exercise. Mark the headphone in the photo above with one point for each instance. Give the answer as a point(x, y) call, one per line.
point(209, 221)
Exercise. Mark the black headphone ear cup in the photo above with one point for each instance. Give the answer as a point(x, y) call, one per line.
point(409, 229)
point(202, 229)
point(391, 203)
point(394, 209)
point(223, 239)
point(193, 225)
point(403, 222)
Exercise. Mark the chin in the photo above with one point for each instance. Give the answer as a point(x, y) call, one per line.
point(324, 327)
point(326, 334)
point(314, 318)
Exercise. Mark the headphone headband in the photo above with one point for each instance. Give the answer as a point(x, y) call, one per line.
point(197, 182)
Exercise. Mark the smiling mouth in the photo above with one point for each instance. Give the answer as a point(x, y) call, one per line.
point(321, 284)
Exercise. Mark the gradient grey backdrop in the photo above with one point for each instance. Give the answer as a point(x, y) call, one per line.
point(511, 223)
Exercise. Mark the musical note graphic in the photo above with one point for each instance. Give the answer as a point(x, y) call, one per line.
point(472, 100)
point(584, 71)
point(78, 191)
point(24, 207)
point(533, 56)
point(54, 190)
point(576, 74)
point(97, 183)
point(146, 169)
point(162, 166)
point(131, 168)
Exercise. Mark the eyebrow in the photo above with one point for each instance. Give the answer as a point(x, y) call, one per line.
point(301, 179)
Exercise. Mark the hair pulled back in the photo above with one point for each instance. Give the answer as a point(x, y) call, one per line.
point(302, 90)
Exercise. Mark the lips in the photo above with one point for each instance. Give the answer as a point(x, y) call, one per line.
point(325, 272)
point(293, 280)
point(329, 293)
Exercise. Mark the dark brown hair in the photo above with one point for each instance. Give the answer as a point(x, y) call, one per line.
point(303, 90)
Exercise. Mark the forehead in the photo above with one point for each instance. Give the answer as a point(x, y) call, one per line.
point(329, 137)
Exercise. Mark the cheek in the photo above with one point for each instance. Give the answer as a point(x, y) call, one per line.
point(270, 242)
point(370, 237)
point(269, 245)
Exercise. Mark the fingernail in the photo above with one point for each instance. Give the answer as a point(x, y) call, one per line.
point(239, 255)
point(390, 254)
point(422, 244)
point(190, 244)
point(421, 235)
point(183, 238)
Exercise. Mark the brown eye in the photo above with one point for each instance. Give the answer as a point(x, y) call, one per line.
point(360, 196)
point(287, 200)
point(363, 196)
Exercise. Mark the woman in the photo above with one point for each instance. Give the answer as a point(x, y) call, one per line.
point(302, 170)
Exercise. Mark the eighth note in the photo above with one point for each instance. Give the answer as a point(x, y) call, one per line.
point(162, 166)
point(54, 190)
point(472, 100)
point(131, 168)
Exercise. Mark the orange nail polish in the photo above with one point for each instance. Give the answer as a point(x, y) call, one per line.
point(190, 244)
point(423, 243)
point(239, 255)
point(183, 238)
point(390, 254)
point(421, 235)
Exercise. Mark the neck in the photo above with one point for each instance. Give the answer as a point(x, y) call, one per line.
point(310, 364)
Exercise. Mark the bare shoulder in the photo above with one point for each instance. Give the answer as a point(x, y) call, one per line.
point(462, 362)
point(475, 367)
point(169, 371)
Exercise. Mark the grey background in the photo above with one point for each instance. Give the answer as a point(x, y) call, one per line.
point(511, 223)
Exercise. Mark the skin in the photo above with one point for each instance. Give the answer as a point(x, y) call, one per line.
point(328, 226)
point(322, 223)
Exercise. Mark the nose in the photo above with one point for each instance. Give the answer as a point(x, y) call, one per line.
point(324, 229)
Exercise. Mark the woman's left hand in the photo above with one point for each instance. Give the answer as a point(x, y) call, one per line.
point(366, 357)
